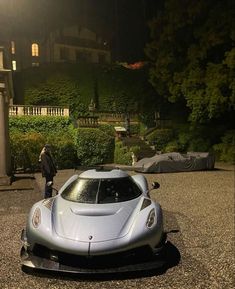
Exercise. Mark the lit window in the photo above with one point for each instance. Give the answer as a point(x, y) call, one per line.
point(13, 65)
point(13, 48)
point(35, 49)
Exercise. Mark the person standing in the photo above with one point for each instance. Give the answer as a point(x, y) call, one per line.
point(48, 169)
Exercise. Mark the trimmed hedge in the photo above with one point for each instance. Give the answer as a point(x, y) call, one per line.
point(25, 150)
point(26, 147)
point(93, 146)
point(43, 124)
point(29, 134)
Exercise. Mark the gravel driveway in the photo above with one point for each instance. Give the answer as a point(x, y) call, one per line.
point(199, 219)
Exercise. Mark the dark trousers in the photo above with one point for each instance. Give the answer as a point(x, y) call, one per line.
point(48, 188)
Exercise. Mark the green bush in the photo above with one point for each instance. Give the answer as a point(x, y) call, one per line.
point(183, 140)
point(225, 151)
point(26, 147)
point(25, 150)
point(135, 149)
point(108, 129)
point(63, 149)
point(43, 124)
point(172, 146)
point(199, 145)
point(93, 146)
point(160, 138)
point(122, 154)
point(134, 129)
point(28, 135)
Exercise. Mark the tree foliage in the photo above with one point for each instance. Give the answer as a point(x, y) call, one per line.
point(192, 56)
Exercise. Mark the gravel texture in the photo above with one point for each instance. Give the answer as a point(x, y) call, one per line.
point(199, 218)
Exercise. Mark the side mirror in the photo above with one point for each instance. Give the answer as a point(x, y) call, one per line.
point(155, 185)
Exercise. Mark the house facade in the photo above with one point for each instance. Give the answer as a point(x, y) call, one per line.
point(67, 45)
point(78, 44)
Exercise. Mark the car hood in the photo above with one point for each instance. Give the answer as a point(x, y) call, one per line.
point(93, 222)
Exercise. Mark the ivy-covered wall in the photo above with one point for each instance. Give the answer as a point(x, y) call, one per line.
point(112, 88)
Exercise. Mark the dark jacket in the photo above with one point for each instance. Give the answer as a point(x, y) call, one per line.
point(47, 165)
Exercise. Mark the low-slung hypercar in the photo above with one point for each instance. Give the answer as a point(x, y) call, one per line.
point(100, 221)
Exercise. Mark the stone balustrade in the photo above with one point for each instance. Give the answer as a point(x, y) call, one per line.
point(19, 110)
point(114, 117)
point(87, 121)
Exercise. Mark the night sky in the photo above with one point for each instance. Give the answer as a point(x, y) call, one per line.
point(123, 23)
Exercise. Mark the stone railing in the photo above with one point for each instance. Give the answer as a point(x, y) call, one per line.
point(20, 110)
point(116, 117)
point(87, 121)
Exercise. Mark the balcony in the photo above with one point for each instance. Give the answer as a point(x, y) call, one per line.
point(19, 110)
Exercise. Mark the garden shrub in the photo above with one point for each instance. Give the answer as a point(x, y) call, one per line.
point(160, 138)
point(43, 124)
point(63, 149)
point(122, 154)
point(199, 139)
point(225, 151)
point(172, 146)
point(25, 150)
point(134, 129)
point(93, 146)
point(199, 144)
point(136, 150)
point(183, 140)
point(26, 147)
point(108, 129)
point(29, 134)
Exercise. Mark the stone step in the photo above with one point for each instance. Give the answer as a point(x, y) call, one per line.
point(145, 149)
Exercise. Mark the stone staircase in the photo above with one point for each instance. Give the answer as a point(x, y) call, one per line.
point(146, 150)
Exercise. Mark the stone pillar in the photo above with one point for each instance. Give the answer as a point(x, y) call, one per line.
point(5, 162)
point(5, 157)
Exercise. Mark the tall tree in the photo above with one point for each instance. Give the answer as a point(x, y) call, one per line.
point(193, 56)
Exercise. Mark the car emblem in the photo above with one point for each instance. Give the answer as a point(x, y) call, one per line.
point(90, 237)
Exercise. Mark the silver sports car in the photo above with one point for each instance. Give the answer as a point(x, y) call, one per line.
point(99, 222)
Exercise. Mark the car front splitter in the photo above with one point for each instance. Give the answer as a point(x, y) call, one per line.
point(35, 262)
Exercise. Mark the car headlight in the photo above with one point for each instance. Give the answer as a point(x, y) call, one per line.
point(151, 218)
point(36, 220)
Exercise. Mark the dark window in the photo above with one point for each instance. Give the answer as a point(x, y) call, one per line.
point(64, 53)
point(82, 56)
point(101, 58)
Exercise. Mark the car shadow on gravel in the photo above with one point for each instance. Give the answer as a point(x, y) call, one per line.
point(172, 257)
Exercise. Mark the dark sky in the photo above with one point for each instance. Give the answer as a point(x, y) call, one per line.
point(122, 22)
point(127, 22)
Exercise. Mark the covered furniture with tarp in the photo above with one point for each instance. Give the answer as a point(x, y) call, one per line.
point(176, 162)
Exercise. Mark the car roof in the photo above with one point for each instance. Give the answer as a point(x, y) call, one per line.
point(103, 174)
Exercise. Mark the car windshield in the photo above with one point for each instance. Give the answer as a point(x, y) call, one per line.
point(101, 191)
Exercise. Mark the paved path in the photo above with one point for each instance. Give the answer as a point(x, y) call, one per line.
point(198, 209)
